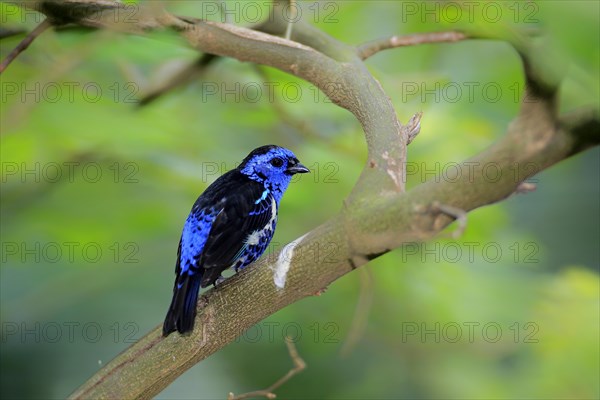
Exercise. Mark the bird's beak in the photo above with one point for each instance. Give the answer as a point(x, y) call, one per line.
point(297, 169)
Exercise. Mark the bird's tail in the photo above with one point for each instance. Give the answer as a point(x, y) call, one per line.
point(183, 306)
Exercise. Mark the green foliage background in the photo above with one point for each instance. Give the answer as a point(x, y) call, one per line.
point(528, 266)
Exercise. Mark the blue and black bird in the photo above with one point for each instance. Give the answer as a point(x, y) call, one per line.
point(230, 225)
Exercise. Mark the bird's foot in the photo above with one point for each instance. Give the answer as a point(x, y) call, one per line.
point(219, 280)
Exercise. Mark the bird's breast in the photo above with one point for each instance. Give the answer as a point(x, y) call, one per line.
point(266, 233)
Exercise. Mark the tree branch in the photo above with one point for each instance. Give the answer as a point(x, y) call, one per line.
point(361, 312)
point(24, 44)
point(299, 366)
point(243, 300)
point(378, 215)
point(373, 47)
point(181, 78)
point(329, 64)
point(8, 32)
point(460, 216)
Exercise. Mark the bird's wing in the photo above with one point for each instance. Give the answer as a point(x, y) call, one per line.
point(193, 238)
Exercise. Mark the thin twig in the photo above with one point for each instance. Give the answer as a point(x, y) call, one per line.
point(299, 366)
point(8, 32)
point(368, 49)
point(413, 127)
point(294, 9)
point(361, 313)
point(181, 78)
point(24, 44)
point(458, 214)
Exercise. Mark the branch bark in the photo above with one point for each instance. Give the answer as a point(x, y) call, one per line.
point(378, 215)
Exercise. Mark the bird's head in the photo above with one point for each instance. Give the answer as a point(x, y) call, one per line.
point(272, 165)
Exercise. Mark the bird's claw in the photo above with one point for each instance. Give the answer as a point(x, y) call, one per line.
point(219, 280)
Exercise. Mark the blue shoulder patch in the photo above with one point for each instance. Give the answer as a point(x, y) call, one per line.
point(193, 238)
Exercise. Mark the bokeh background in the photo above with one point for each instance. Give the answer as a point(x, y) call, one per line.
point(95, 190)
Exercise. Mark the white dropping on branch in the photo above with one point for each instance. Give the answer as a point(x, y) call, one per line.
point(284, 262)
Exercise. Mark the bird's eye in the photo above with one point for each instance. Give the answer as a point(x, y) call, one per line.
point(277, 162)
